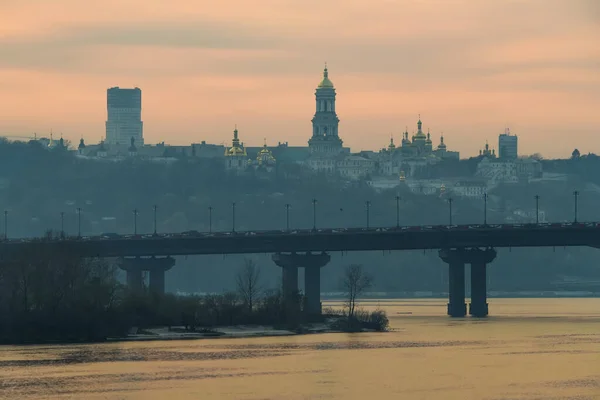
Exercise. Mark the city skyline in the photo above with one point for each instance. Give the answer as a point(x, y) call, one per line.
point(470, 70)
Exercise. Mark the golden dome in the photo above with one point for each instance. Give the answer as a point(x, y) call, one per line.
point(391, 146)
point(428, 141)
point(442, 145)
point(420, 135)
point(235, 149)
point(265, 155)
point(325, 83)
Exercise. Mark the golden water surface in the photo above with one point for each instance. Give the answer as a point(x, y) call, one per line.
point(528, 349)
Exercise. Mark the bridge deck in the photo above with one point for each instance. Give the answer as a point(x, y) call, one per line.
point(403, 238)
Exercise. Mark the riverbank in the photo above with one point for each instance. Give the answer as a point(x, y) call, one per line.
point(534, 294)
point(238, 331)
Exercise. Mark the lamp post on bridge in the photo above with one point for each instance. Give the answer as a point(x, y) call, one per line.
point(450, 200)
point(79, 222)
point(62, 224)
point(233, 216)
point(485, 197)
point(397, 211)
point(314, 203)
point(537, 209)
point(5, 224)
point(287, 216)
point(135, 214)
point(210, 209)
point(155, 208)
point(368, 208)
point(576, 195)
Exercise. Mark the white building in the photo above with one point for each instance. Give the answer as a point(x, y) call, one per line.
point(426, 187)
point(528, 168)
point(124, 121)
point(354, 167)
point(496, 170)
point(469, 188)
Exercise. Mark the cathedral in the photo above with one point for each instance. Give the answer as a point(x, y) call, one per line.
point(413, 153)
point(236, 157)
point(326, 153)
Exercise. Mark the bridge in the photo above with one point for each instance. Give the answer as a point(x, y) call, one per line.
point(309, 249)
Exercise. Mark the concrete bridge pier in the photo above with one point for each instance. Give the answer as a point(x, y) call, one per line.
point(134, 274)
point(479, 259)
point(457, 307)
point(157, 267)
point(312, 264)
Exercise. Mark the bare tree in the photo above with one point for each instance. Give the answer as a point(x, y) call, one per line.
point(247, 280)
point(354, 283)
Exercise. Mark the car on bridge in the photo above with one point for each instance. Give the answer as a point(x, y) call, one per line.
point(109, 235)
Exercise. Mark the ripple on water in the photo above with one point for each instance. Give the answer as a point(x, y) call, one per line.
point(94, 383)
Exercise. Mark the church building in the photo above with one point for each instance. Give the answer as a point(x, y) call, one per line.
point(325, 140)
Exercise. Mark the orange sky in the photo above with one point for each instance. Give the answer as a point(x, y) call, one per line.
point(469, 67)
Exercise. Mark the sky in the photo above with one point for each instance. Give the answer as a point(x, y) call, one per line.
point(470, 68)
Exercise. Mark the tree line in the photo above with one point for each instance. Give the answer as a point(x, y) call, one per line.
point(50, 296)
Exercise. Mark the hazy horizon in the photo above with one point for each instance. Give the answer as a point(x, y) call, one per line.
point(469, 68)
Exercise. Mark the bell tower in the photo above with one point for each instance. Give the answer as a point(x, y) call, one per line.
point(325, 140)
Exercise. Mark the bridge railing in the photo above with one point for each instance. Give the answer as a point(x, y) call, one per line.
point(328, 231)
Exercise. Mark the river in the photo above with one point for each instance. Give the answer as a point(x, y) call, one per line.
point(528, 349)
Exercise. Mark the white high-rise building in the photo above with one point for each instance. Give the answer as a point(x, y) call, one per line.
point(124, 121)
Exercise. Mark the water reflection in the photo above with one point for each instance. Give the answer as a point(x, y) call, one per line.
point(529, 349)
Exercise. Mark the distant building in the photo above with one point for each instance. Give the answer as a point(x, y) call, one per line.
point(325, 140)
point(354, 167)
point(265, 160)
point(494, 170)
point(426, 187)
point(412, 155)
point(507, 145)
point(486, 152)
point(206, 150)
point(124, 121)
point(236, 158)
point(528, 168)
point(469, 188)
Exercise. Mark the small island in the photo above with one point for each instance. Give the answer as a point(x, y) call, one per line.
point(63, 298)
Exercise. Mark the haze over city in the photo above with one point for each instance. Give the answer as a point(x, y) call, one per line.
point(469, 68)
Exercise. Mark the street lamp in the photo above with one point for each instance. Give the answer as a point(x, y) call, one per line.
point(135, 214)
point(155, 208)
point(485, 197)
point(314, 202)
point(576, 195)
point(397, 211)
point(287, 216)
point(233, 216)
point(368, 208)
point(210, 219)
point(5, 224)
point(62, 224)
point(79, 222)
point(450, 200)
point(537, 209)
